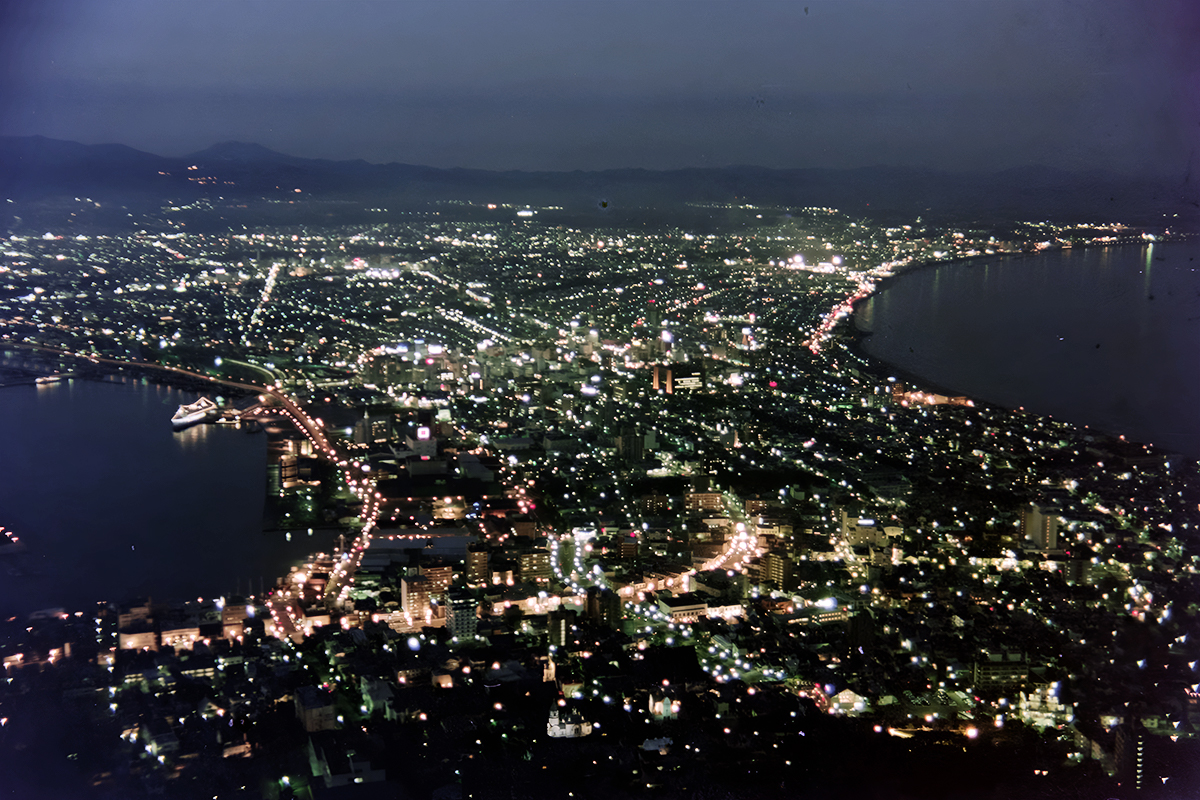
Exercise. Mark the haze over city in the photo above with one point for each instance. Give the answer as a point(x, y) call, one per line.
point(610, 84)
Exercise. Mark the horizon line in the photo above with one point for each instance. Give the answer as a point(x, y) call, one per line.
point(730, 166)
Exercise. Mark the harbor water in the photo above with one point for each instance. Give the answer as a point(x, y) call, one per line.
point(111, 504)
point(1104, 337)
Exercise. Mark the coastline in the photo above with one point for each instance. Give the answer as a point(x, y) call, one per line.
point(854, 337)
point(141, 532)
point(919, 266)
point(97, 367)
point(273, 550)
point(853, 340)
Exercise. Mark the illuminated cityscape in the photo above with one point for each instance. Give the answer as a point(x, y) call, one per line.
point(599, 400)
point(623, 511)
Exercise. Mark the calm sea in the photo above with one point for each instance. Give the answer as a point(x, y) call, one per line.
point(1106, 337)
point(113, 504)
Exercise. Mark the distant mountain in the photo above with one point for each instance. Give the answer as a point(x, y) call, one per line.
point(38, 167)
point(240, 151)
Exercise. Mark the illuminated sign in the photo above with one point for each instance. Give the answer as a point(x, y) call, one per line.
point(423, 433)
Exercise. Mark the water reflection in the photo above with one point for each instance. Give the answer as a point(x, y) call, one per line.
point(113, 503)
point(1105, 337)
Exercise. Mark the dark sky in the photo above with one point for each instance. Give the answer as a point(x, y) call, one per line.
point(590, 84)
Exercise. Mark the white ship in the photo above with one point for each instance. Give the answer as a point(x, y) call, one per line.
point(202, 410)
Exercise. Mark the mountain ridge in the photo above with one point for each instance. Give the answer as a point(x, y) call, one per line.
point(38, 167)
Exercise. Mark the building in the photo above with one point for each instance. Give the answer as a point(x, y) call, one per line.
point(414, 596)
point(559, 622)
point(179, 635)
point(653, 504)
point(462, 618)
point(662, 707)
point(159, 738)
point(477, 566)
point(1039, 707)
point(422, 442)
point(847, 703)
point(776, 568)
point(703, 501)
point(631, 445)
point(603, 607)
point(336, 767)
point(1039, 525)
point(314, 709)
point(683, 608)
point(440, 577)
point(533, 566)
point(567, 725)
point(856, 531)
point(756, 506)
point(678, 376)
point(373, 428)
point(139, 636)
point(377, 695)
point(1129, 754)
point(627, 546)
point(134, 614)
point(999, 670)
point(233, 619)
point(819, 615)
point(769, 529)
point(663, 380)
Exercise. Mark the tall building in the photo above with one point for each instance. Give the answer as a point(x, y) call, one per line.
point(462, 618)
point(603, 607)
point(533, 565)
point(559, 623)
point(631, 445)
point(663, 379)
point(628, 546)
point(1040, 526)
point(440, 577)
point(1129, 753)
point(414, 596)
point(373, 428)
point(777, 568)
point(477, 565)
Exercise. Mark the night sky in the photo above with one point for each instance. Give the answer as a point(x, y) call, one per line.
point(592, 84)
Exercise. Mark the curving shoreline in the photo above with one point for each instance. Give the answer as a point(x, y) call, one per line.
point(856, 336)
point(1016, 255)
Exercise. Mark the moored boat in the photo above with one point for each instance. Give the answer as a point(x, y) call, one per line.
point(203, 410)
